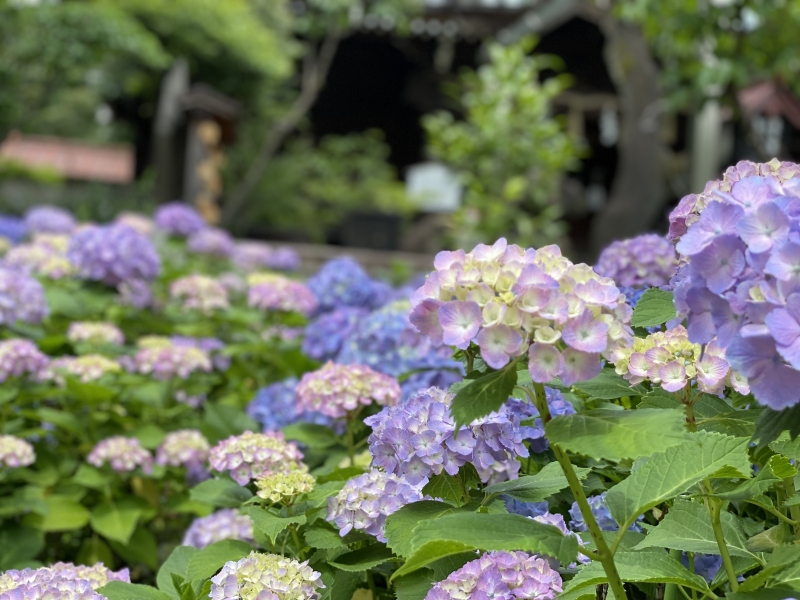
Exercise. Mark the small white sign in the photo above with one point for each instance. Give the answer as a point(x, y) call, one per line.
point(433, 187)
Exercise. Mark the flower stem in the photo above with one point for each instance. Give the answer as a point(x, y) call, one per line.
point(714, 507)
point(788, 484)
point(671, 589)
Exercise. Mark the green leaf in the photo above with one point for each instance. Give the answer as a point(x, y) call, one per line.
point(116, 521)
point(269, 524)
point(790, 448)
point(90, 393)
point(150, 436)
point(323, 535)
point(63, 514)
point(177, 563)
point(483, 395)
point(206, 562)
point(63, 420)
point(220, 492)
point(647, 566)
point(446, 487)
point(90, 477)
point(759, 595)
point(687, 527)
point(772, 538)
point(401, 525)
point(18, 545)
point(428, 553)
point(141, 548)
point(363, 559)
point(226, 421)
point(535, 488)
point(119, 590)
point(415, 586)
point(773, 423)
point(782, 558)
point(609, 386)
point(311, 435)
point(618, 434)
point(762, 482)
point(672, 472)
point(653, 308)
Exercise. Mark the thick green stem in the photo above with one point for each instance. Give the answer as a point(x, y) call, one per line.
point(671, 590)
point(788, 484)
point(714, 507)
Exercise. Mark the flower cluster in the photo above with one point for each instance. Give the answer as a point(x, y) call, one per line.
point(268, 291)
point(15, 452)
point(325, 335)
point(211, 346)
point(253, 455)
point(342, 282)
point(556, 404)
point(418, 438)
point(253, 256)
point(285, 484)
point(49, 219)
point(335, 390)
point(21, 298)
point(46, 255)
point(61, 581)
point(199, 292)
point(502, 298)
point(365, 501)
point(557, 520)
point(136, 293)
point(170, 360)
point(601, 514)
point(95, 332)
point(275, 406)
point(669, 359)
point(646, 260)
point(705, 565)
point(113, 254)
point(12, 228)
point(136, 221)
point(225, 524)
point(178, 218)
point(266, 577)
point(21, 357)
point(183, 448)
point(89, 367)
point(500, 575)
point(211, 240)
point(124, 454)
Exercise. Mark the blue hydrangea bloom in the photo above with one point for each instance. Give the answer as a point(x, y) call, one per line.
point(274, 407)
point(113, 254)
point(557, 405)
point(633, 294)
point(325, 335)
point(705, 565)
point(526, 509)
point(13, 228)
point(343, 282)
point(601, 514)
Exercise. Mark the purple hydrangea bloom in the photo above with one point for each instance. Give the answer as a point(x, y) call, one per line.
point(646, 260)
point(365, 501)
point(275, 292)
point(500, 574)
point(21, 298)
point(225, 524)
point(557, 405)
point(113, 254)
point(135, 293)
point(211, 240)
point(526, 509)
point(253, 256)
point(601, 514)
point(705, 565)
point(343, 282)
point(15, 452)
point(20, 357)
point(95, 332)
point(166, 360)
point(252, 455)
point(211, 346)
point(183, 448)
point(325, 335)
point(275, 407)
point(49, 219)
point(61, 581)
point(13, 228)
point(418, 439)
point(124, 454)
point(199, 292)
point(178, 218)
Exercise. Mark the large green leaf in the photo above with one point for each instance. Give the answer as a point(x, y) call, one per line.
point(363, 559)
point(177, 563)
point(116, 521)
point(430, 552)
point(271, 525)
point(142, 548)
point(206, 562)
point(401, 525)
point(225, 421)
point(322, 535)
point(535, 488)
point(311, 435)
point(653, 308)
point(119, 590)
point(646, 566)
point(618, 434)
point(773, 423)
point(787, 447)
point(18, 545)
point(414, 586)
point(63, 514)
point(672, 472)
point(609, 386)
point(220, 492)
point(483, 395)
point(762, 482)
point(687, 527)
point(783, 558)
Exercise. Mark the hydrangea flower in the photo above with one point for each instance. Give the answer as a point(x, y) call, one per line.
point(225, 524)
point(253, 455)
point(136, 221)
point(254, 256)
point(233, 282)
point(211, 240)
point(212, 346)
point(122, 453)
point(89, 367)
point(135, 293)
point(46, 255)
point(171, 360)
point(500, 575)
point(633, 294)
point(285, 484)
point(15, 452)
point(705, 565)
point(61, 581)
point(418, 439)
point(183, 448)
point(275, 407)
point(669, 359)
point(601, 514)
point(20, 357)
point(95, 332)
point(113, 254)
point(13, 228)
point(526, 509)
point(342, 282)
point(556, 404)
point(274, 292)
point(557, 520)
point(646, 260)
point(199, 292)
point(335, 390)
point(49, 219)
point(178, 218)
point(21, 298)
point(325, 335)
point(266, 577)
point(509, 301)
point(365, 501)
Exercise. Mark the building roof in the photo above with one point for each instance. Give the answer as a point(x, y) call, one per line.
point(771, 99)
point(73, 159)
